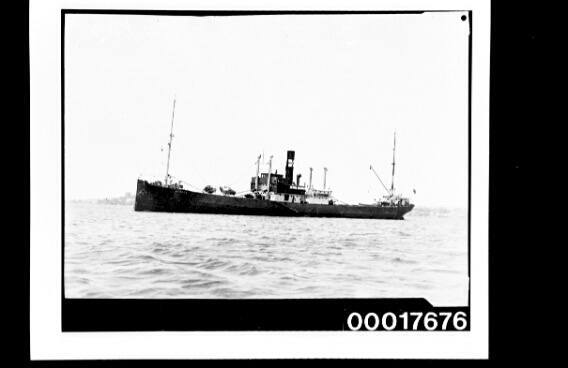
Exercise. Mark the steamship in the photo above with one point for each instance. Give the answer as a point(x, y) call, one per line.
point(270, 194)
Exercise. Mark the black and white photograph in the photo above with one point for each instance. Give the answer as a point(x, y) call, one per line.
point(174, 126)
point(215, 159)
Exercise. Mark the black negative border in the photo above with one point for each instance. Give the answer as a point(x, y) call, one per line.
point(73, 310)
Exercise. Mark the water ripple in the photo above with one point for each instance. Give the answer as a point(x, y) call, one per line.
point(112, 251)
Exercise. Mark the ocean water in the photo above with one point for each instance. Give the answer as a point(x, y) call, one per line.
point(111, 251)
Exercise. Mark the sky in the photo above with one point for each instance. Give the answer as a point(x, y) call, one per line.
point(334, 88)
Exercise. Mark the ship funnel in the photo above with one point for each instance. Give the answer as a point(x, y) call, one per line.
point(298, 179)
point(290, 167)
point(311, 170)
point(324, 176)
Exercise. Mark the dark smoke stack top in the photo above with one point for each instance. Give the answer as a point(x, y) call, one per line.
point(290, 167)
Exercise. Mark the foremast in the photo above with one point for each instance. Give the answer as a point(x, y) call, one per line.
point(170, 145)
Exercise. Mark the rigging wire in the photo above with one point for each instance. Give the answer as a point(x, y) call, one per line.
point(197, 172)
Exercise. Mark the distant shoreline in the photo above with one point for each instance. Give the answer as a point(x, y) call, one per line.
point(126, 200)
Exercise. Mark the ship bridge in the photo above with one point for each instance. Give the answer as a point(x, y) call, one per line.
point(283, 188)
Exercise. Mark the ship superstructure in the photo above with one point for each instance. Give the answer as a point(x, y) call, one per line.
point(283, 188)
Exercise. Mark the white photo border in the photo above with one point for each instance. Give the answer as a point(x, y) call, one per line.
point(48, 342)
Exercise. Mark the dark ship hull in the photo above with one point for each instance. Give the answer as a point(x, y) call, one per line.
point(150, 197)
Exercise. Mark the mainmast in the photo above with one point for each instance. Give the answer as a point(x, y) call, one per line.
point(170, 144)
point(393, 164)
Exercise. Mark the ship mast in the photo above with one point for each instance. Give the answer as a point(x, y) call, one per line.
point(170, 144)
point(393, 164)
point(257, 171)
point(269, 177)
